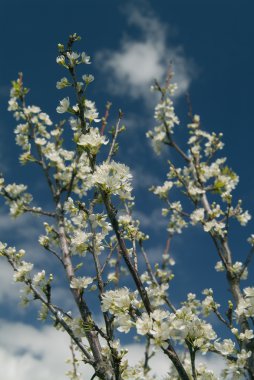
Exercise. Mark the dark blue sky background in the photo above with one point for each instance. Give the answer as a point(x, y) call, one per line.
point(211, 45)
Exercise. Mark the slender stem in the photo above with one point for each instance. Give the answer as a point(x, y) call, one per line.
point(193, 368)
point(116, 132)
point(247, 262)
point(125, 253)
point(55, 254)
point(102, 369)
point(74, 365)
point(107, 259)
point(169, 351)
point(147, 262)
point(39, 211)
point(148, 356)
point(105, 118)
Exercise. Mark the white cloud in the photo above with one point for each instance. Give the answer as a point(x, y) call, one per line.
point(132, 68)
point(160, 363)
point(40, 354)
point(31, 353)
point(26, 227)
point(153, 220)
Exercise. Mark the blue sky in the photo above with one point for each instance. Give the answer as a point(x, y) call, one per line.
point(211, 46)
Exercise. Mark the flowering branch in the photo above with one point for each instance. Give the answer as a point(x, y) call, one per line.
point(88, 228)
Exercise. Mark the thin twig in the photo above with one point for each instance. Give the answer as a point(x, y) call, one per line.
point(105, 118)
point(116, 132)
point(39, 211)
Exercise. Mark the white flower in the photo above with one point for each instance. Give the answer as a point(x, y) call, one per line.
point(237, 268)
point(248, 334)
point(134, 373)
point(116, 301)
point(92, 140)
point(250, 240)
point(40, 141)
point(160, 332)
point(115, 178)
point(163, 190)
point(164, 111)
point(226, 347)
point(2, 246)
point(249, 292)
point(124, 323)
point(77, 327)
point(219, 267)
point(215, 226)
point(144, 324)
point(197, 215)
point(88, 78)
point(158, 315)
point(22, 271)
point(242, 308)
point(45, 118)
point(243, 218)
point(85, 58)
point(60, 60)
point(194, 190)
point(39, 277)
point(92, 115)
point(112, 277)
point(80, 241)
point(195, 122)
point(80, 282)
point(15, 190)
point(242, 358)
point(76, 108)
point(13, 104)
point(157, 294)
point(73, 57)
point(64, 105)
point(62, 83)
point(31, 110)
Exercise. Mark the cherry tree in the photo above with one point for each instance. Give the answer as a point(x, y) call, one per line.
point(92, 221)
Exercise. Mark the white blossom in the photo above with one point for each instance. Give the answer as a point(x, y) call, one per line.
point(85, 58)
point(215, 226)
point(123, 322)
point(80, 282)
point(88, 78)
point(243, 218)
point(251, 240)
point(37, 278)
point(226, 347)
point(144, 324)
point(62, 83)
point(115, 178)
point(60, 60)
point(162, 191)
point(247, 335)
point(22, 271)
point(219, 267)
point(116, 301)
point(197, 216)
point(92, 140)
point(64, 105)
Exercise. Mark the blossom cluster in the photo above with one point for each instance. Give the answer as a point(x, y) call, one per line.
point(91, 230)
